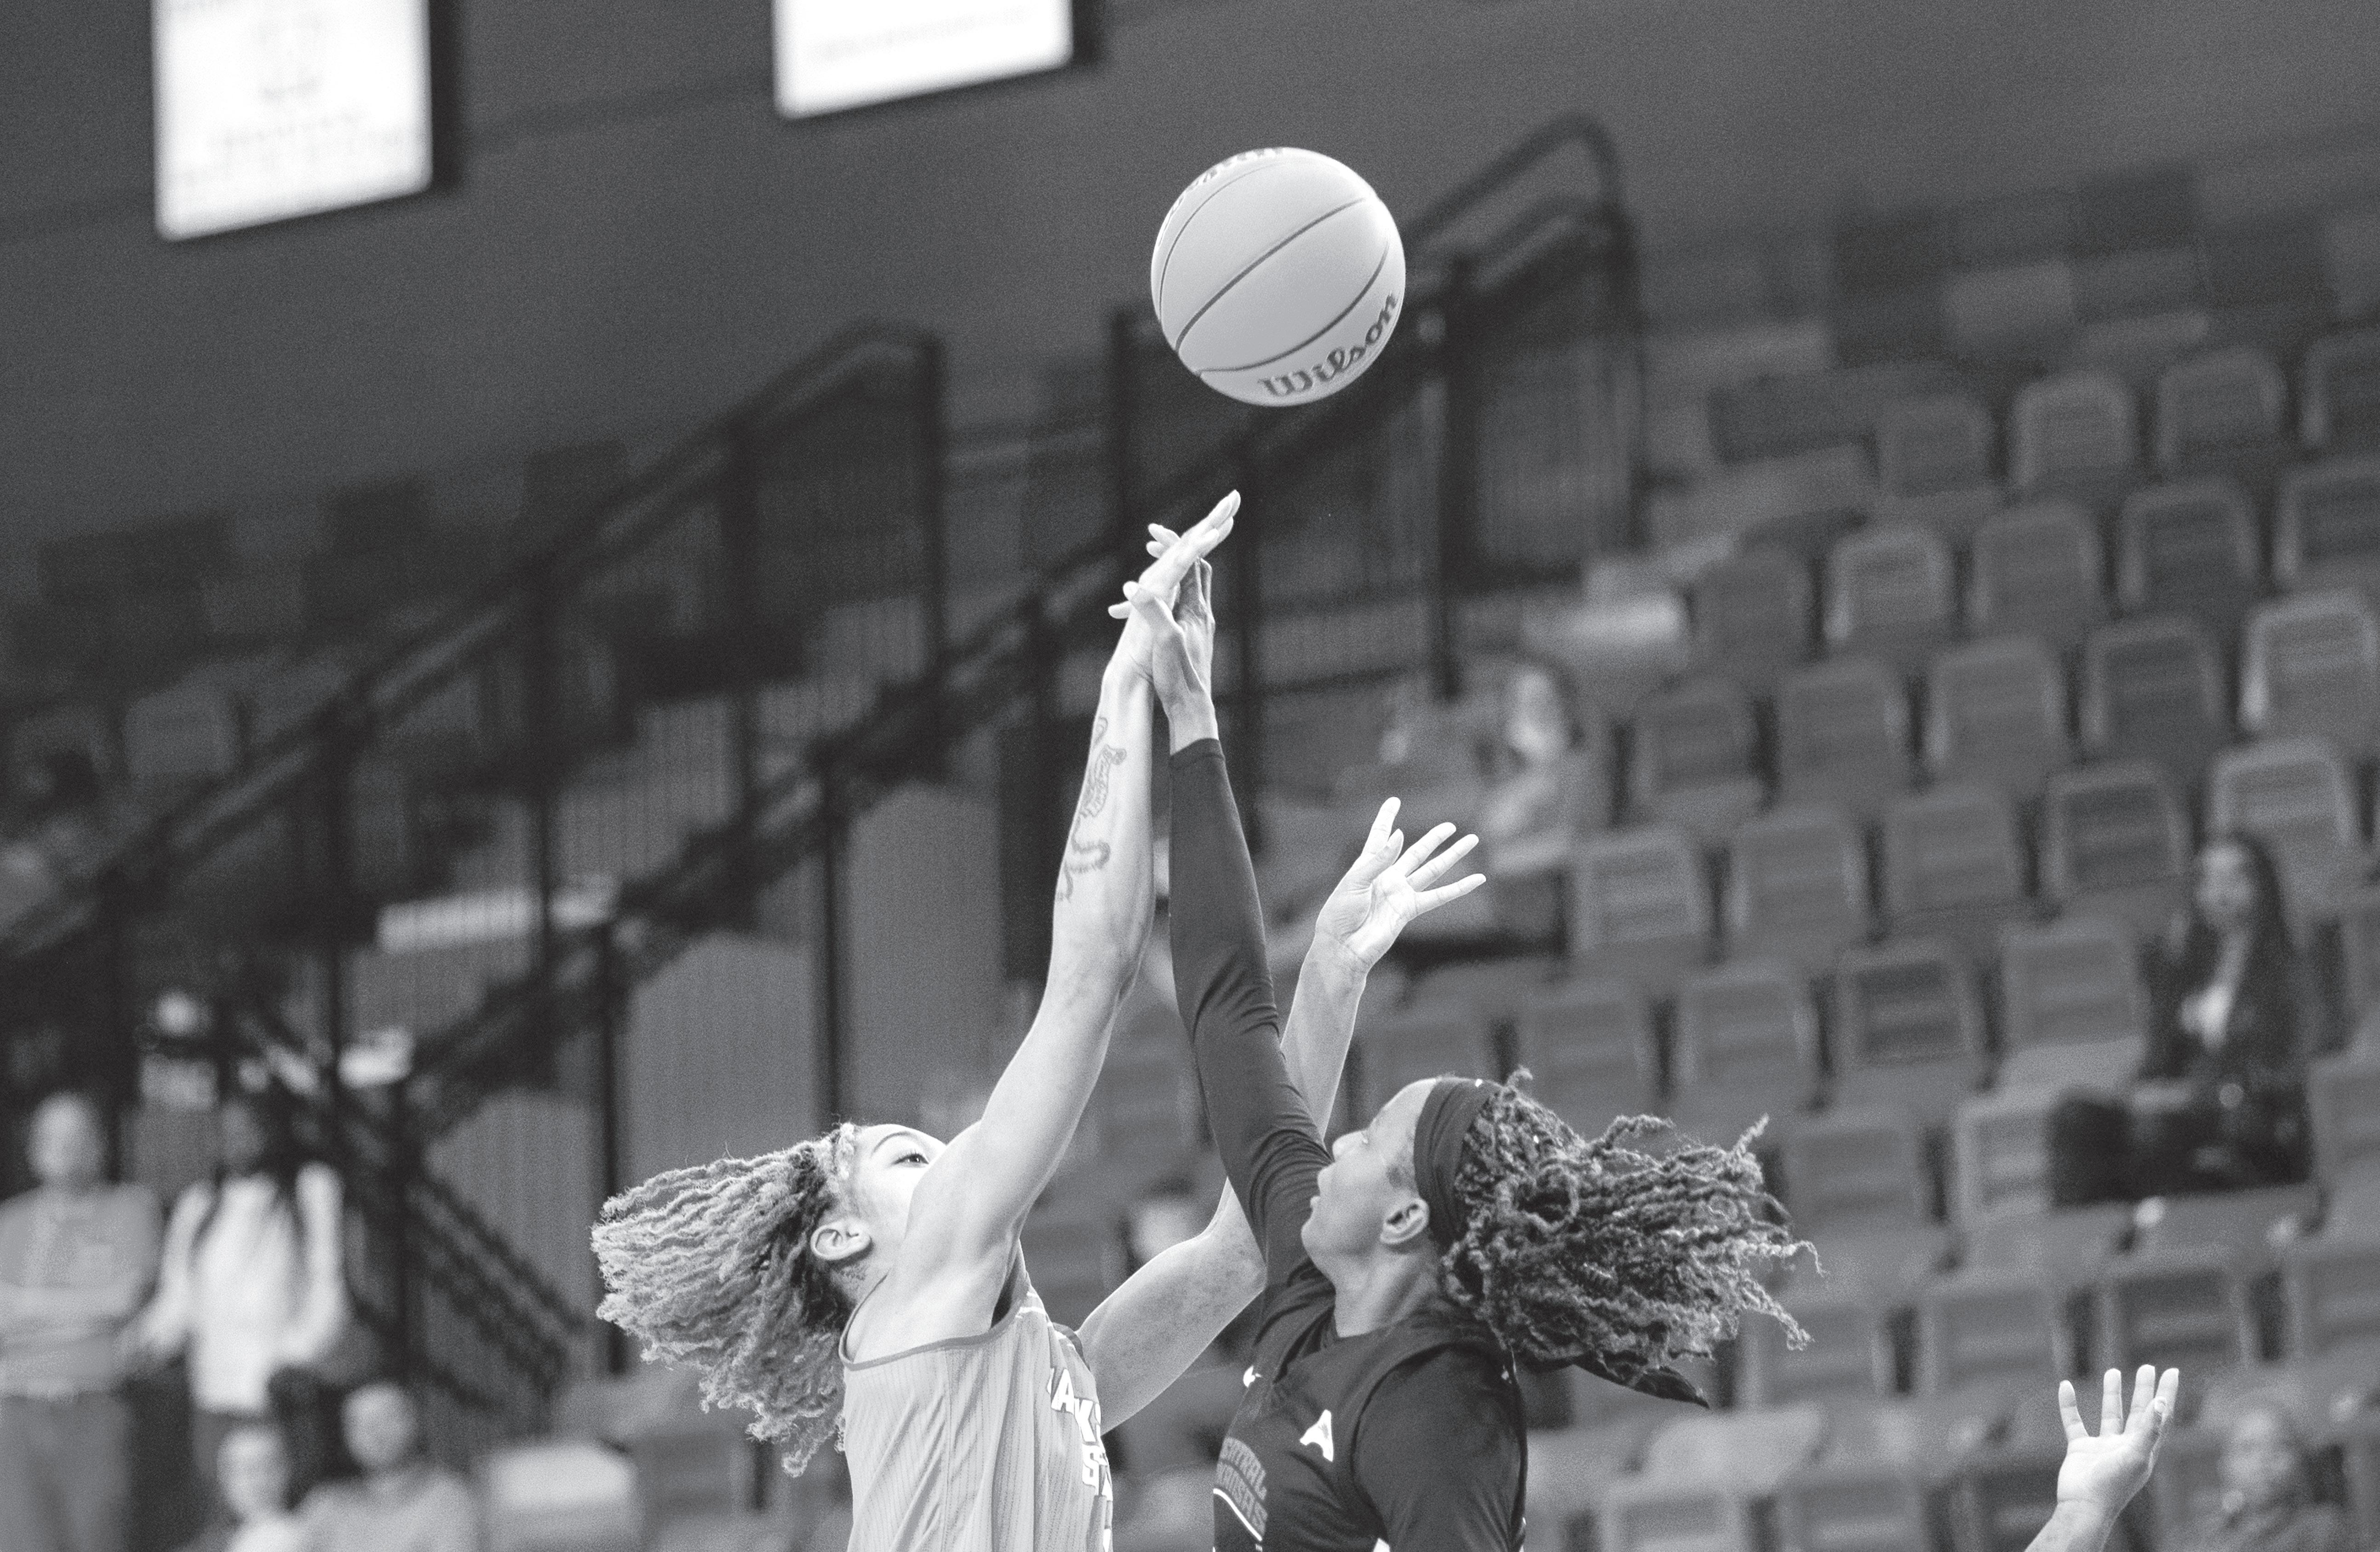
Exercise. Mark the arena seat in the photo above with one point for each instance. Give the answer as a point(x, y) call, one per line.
point(1421, 1041)
point(1997, 1327)
point(2330, 1287)
point(1843, 736)
point(2185, 1309)
point(1640, 907)
point(1951, 864)
point(2036, 570)
point(1852, 1507)
point(1747, 1046)
point(2152, 690)
point(1493, 989)
point(1909, 1029)
point(2072, 1009)
point(1145, 1109)
point(1999, 1500)
point(2343, 1107)
point(1645, 1513)
point(1889, 594)
point(1073, 1243)
point(2115, 842)
point(1849, 1357)
point(1934, 463)
point(2219, 412)
point(1695, 759)
point(1999, 1157)
point(1996, 714)
point(1570, 1470)
point(1856, 1183)
point(2293, 794)
point(1796, 888)
point(1754, 615)
point(2061, 1247)
point(1588, 1046)
point(2326, 526)
point(190, 731)
point(2311, 664)
point(561, 1496)
point(1749, 1451)
point(2358, 952)
point(2240, 1222)
point(2188, 548)
point(2341, 394)
point(2076, 433)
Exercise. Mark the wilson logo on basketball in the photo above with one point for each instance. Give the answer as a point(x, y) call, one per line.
point(1304, 379)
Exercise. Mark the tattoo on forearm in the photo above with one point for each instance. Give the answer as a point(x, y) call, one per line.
point(1090, 855)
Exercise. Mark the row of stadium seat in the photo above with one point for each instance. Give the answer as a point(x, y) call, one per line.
point(1890, 588)
point(1952, 861)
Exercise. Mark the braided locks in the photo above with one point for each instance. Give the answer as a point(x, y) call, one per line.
point(711, 1267)
point(1572, 1247)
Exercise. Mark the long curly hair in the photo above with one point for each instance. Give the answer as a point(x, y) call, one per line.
point(1571, 1247)
point(711, 1267)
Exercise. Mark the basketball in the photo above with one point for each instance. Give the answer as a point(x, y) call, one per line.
point(1277, 276)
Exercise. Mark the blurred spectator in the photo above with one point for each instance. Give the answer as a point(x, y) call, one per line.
point(2267, 1503)
point(253, 1468)
point(403, 1503)
point(76, 1256)
point(1536, 802)
point(252, 1291)
point(2235, 1012)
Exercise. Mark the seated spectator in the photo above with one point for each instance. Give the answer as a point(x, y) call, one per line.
point(2267, 1503)
point(253, 1469)
point(2235, 1012)
point(1535, 803)
point(403, 1503)
point(76, 1256)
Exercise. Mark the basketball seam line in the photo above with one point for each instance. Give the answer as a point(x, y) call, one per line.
point(1225, 289)
point(1361, 292)
point(1157, 292)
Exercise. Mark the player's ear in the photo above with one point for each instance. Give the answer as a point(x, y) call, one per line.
point(841, 1238)
point(1405, 1224)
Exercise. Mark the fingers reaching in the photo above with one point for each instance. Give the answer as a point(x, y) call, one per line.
point(1431, 900)
point(1435, 868)
point(1419, 851)
point(1177, 555)
point(2070, 1412)
point(2111, 1402)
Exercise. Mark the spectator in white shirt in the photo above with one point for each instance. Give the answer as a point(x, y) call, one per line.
point(251, 1283)
point(403, 1503)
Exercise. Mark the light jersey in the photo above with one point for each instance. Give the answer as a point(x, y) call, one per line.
point(987, 1443)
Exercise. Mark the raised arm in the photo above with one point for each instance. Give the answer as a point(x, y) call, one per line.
point(2100, 1474)
point(972, 1201)
point(1143, 1336)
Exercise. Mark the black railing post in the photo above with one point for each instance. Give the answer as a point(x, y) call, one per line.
point(541, 727)
point(334, 897)
point(830, 1010)
point(609, 1122)
point(1246, 561)
point(401, 1167)
point(739, 547)
point(1458, 476)
point(930, 426)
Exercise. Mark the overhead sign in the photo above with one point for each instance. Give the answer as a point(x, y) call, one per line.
point(833, 54)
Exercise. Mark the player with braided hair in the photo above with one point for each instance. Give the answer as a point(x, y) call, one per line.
point(871, 1276)
point(1466, 1229)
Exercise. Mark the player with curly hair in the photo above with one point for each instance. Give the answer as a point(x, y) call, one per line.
point(1465, 1230)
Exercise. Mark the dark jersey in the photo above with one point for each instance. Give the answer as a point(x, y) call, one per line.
point(1411, 1436)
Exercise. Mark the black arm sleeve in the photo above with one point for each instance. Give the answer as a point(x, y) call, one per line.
point(1271, 1149)
point(1437, 1454)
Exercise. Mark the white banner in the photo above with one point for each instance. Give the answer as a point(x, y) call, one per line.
point(846, 54)
point(268, 109)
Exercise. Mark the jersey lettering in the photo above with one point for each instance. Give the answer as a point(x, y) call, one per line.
point(1240, 1484)
point(1319, 1436)
point(1084, 1410)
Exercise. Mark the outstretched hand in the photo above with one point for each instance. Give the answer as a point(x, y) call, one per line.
point(2102, 1473)
point(1152, 631)
point(1390, 885)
